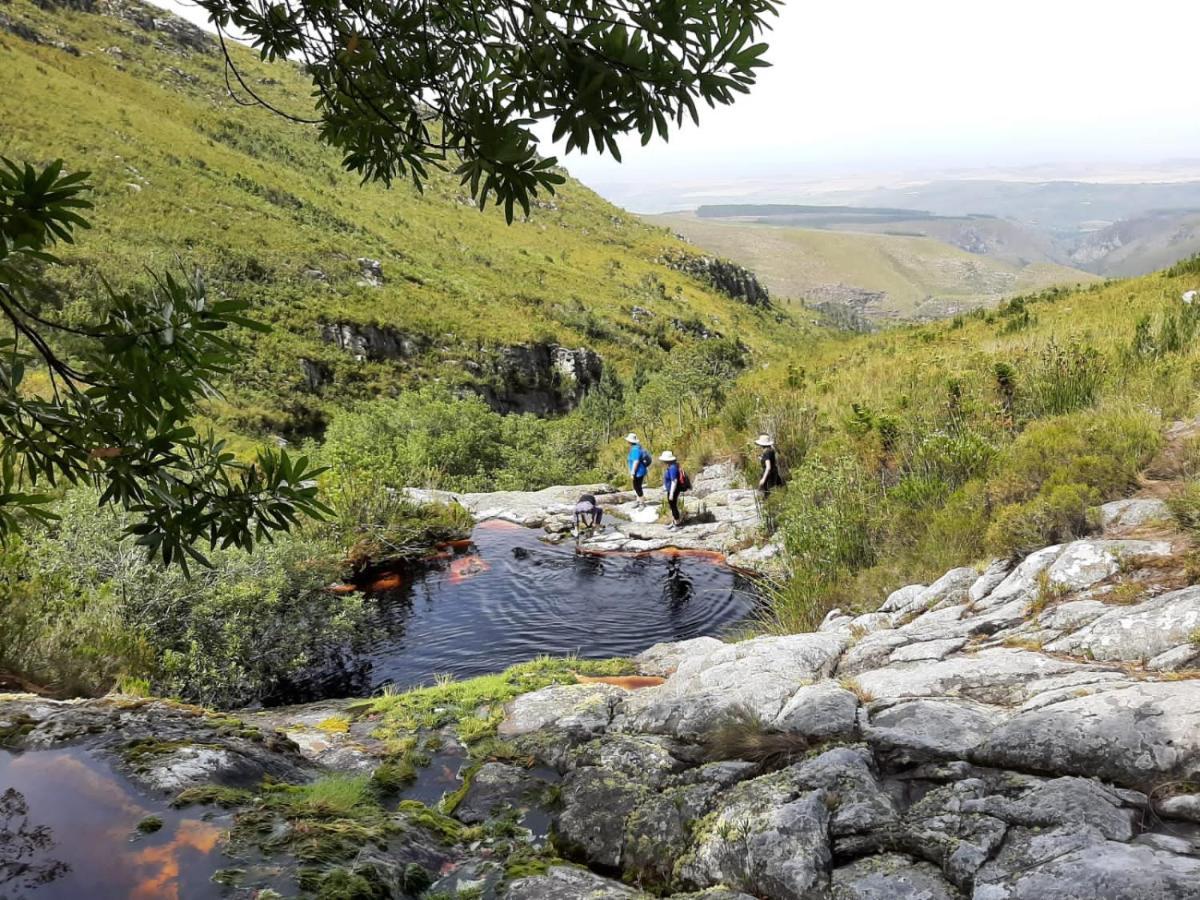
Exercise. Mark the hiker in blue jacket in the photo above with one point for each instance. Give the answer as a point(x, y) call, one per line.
point(639, 466)
point(672, 484)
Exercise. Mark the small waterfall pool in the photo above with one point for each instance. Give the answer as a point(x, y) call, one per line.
point(505, 597)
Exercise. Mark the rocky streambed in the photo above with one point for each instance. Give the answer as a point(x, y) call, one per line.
point(1027, 732)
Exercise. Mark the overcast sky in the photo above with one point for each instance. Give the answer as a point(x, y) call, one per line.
point(877, 85)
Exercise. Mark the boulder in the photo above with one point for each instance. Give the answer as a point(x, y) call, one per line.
point(1135, 735)
point(820, 711)
point(942, 829)
point(582, 709)
point(890, 876)
point(900, 600)
point(1022, 582)
point(758, 675)
point(1137, 633)
point(1063, 801)
point(641, 757)
point(1182, 806)
point(659, 831)
point(992, 576)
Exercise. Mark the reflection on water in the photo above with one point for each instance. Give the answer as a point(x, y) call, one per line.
point(505, 597)
point(68, 831)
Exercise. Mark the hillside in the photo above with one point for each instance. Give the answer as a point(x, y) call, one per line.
point(885, 276)
point(1141, 244)
point(368, 289)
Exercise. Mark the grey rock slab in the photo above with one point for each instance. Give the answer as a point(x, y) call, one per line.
point(919, 731)
point(717, 893)
point(759, 675)
point(902, 598)
point(862, 813)
point(1063, 801)
point(1082, 564)
point(872, 651)
point(927, 650)
point(659, 830)
point(1181, 806)
point(951, 589)
point(1049, 867)
point(1134, 735)
point(567, 883)
point(577, 708)
point(992, 576)
point(497, 788)
point(1072, 685)
point(1001, 676)
point(1022, 582)
point(663, 659)
point(890, 876)
point(820, 711)
point(1137, 633)
point(1072, 615)
point(1185, 656)
point(1122, 515)
point(860, 626)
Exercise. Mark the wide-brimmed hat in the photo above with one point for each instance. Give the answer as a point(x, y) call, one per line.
point(631, 437)
point(667, 456)
point(764, 440)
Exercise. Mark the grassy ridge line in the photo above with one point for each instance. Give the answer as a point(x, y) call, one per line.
point(183, 172)
point(796, 262)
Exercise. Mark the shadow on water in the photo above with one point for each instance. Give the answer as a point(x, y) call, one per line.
point(505, 597)
point(69, 830)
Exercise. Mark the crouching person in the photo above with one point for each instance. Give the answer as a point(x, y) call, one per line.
point(587, 513)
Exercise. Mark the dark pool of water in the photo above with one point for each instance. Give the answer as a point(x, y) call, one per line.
point(68, 830)
point(509, 597)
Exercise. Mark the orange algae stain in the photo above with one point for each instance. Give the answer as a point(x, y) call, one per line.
point(500, 525)
point(674, 552)
point(388, 581)
point(468, 567)
point(161, 881)
point(628, 682)
point(342, 588)
point(464, 544)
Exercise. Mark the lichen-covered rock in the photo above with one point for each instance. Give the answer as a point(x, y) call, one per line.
point(1022, 582)
point(760, 675)
point(926, 730)
point(1181, 806)
point(645, 758)
point(567, 883)
point(1185, 656)
point(942, 829)
point(890, 876)
point(1063, 801)
point(862, 814)
point(1075, 863)
point(596, 803)
point(901, 599)
point(1137, 633)
point(1134, 735)
point(585, 709)
point(992, 577)
point(659, 830)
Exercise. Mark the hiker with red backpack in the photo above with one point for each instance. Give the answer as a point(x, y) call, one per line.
point(675, 482)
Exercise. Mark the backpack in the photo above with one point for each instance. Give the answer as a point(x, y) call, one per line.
point(644, 460)
point(685, 481)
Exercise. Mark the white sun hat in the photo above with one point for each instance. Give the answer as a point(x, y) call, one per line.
point(631, 438)
point(667, 456)
point(764, 440)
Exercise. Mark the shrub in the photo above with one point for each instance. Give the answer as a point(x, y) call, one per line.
point(1059, 514)
point(1185, 507)
point(1065, 379)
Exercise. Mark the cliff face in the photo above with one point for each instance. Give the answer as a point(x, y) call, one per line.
point(543, 379)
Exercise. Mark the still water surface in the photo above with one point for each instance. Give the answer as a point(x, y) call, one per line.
point(508, 597)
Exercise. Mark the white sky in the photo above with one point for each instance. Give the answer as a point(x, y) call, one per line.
point(879, 85)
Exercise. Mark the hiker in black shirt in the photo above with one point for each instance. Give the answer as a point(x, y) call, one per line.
point(770, 478)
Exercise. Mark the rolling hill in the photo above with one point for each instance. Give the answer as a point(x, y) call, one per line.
point(883, 276)
point(369, 290)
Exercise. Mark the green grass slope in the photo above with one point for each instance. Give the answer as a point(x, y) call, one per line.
point(920, 277)
point(184, 175)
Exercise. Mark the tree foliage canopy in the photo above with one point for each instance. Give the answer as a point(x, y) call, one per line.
point(401, 85)
point(113, 398)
